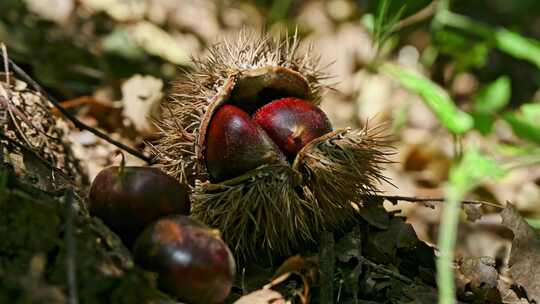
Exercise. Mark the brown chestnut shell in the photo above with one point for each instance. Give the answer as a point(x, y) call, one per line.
point(128, 199)
point(235, 145)
point(191, 260)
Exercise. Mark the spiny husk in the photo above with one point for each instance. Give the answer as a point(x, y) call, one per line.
point(264, 210)
point(191, 95)
point(341, 168)
point(273, 209)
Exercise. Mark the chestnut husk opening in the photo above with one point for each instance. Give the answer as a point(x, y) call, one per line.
point(274, 209)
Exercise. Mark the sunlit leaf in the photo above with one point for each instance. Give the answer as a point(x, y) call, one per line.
point(535, 222)
point(473, 169)
point(435, 97)
point(156, 41)
point(120, 42)
point(494, 96)
point(525, 123)
point(483, 122)
point(384, 23)
point(518, 46)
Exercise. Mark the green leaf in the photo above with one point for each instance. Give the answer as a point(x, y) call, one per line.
point(368, 20)
point(473, 169)
point(483, 122)
point(518, 46)
point(525, 123)
point(435, 97)
point(466, 53)
point(493, 97)
point(507, 41)
point(384, 23)
point(534, 222)
point(516, 150)
point(120, 42)
point(531, 112)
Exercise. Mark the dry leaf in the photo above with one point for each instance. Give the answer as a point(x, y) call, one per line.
point(156, 41)
point(141, 96)
point(262, 296)
point(54, 10)
point(525, 253)
point(118, 9)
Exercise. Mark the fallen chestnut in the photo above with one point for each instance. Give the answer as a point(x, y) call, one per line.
point(292, 123)
point(127, 199)
point(191, 260)
point(236, 145)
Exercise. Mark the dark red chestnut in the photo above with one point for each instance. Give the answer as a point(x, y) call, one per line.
point(191, 260)
point(236, 145)
point(127, 199)
point(292, 123)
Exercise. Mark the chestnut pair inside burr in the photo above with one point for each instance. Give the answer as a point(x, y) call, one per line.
point(237, 142)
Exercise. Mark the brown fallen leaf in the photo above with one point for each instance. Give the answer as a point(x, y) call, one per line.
point(301, 269)
point(525, 253)
point(141, 96)
point(262, 296)
point(477, 279)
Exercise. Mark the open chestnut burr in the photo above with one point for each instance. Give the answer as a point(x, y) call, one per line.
point(243, 128)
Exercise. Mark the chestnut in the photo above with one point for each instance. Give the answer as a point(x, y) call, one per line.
point(236, 145)
point(292, 123)
point(127, 199)
point(191, 260)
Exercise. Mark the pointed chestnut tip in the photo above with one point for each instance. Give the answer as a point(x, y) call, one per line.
point(127, 199)
point(292, 123)
point(235, 144)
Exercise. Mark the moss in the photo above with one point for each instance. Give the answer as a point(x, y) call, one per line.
point(32, 234)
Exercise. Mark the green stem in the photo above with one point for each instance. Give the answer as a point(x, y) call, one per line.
point(447, 241)
point(122, 164)
point(464, 23)
point(279, 9)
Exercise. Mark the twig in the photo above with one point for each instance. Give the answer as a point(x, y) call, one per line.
point(384, 270)
point(71, 250)
point(327, 258)
point(432, 199)
point(78, 124)
point(6, 65)
point(420, 16)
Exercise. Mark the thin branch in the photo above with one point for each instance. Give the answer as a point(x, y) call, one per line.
point(71, 249)
point(382, 269)
point(6, 65)
point(420, 16)
point(78, 124)
point(413, 199)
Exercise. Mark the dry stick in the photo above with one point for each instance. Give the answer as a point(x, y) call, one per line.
point(420, 16)
point(6, 65)
point(431, 199)
point(78, 124)
point(71, 249)
point(382, 269)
